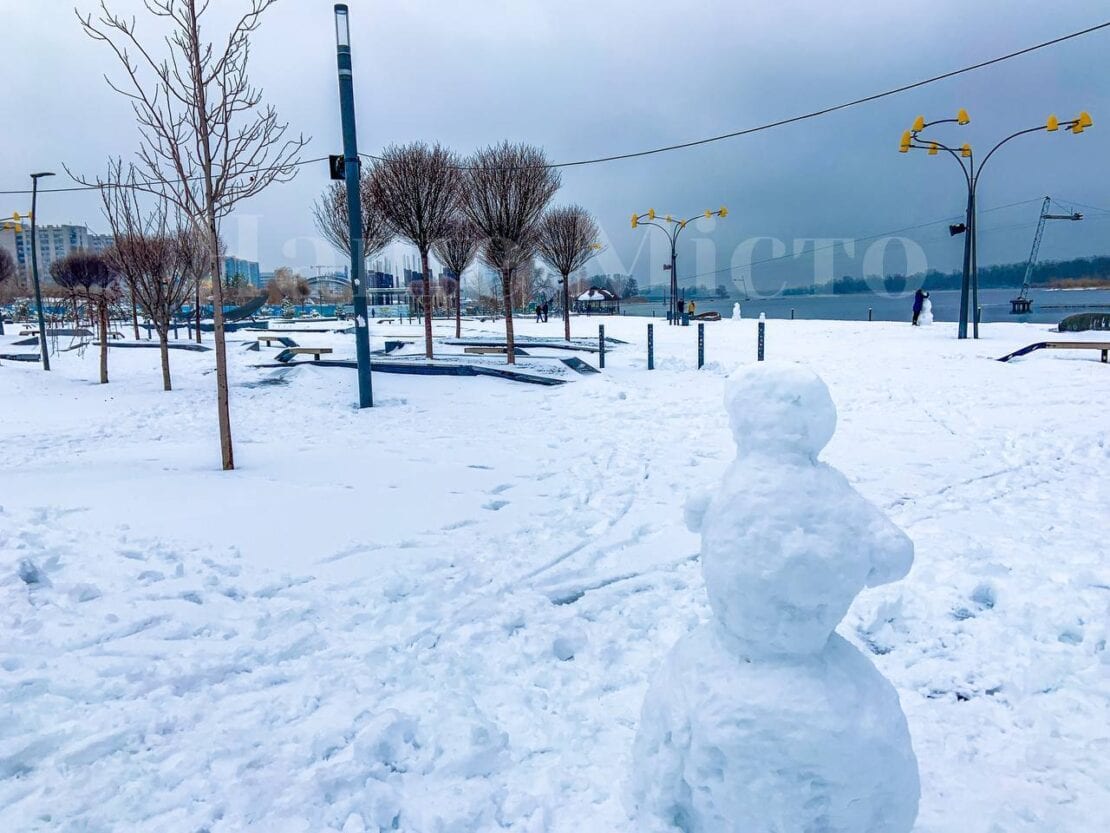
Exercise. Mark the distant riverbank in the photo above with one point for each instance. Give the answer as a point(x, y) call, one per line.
point(1079, 283)
point(1049, 305)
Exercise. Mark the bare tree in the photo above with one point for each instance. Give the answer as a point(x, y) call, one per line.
point(416, 187)
point(208, 141)
point(196, 250)
point(7, 280)
point(333, 219)
point(456, 251)
point(152, 259)
point(567, 240)
point(89, 276)
point(507, 189)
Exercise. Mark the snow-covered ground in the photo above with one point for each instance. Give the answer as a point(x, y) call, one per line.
point(441, 615)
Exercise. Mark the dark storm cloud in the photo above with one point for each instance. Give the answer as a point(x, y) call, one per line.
point(585, 79)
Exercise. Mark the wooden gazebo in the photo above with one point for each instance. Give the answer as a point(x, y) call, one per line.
point(596, 300)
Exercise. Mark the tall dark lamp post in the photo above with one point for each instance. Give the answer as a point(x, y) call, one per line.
point(35, 266)
point(912, 140)
point(672, 229)
point(351, 170)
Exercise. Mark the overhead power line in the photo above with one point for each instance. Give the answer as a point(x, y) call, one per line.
point(841, 240)
point(683, 145)
point(826, 110)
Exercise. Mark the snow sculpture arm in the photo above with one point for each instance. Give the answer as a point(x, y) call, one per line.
point(891, 550)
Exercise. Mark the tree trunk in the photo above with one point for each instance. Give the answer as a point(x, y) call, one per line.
point(458, 307)
point(227, 453)
point(200, 108)
point(566, 306)
point(134, 316)
point(507, 295)
point(164, 348)
point(196, 310)
point(102, 310)
point(427, 300)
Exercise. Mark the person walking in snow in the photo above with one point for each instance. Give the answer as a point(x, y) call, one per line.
point(539, 313)
point(918, 302)
point(545, 309)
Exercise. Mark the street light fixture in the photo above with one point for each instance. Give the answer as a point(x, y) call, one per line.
point(912, 140)
point(672, 229)
point(351, 173)
point(35, 266)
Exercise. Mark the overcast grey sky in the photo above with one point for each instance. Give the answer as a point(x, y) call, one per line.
point(585, 78)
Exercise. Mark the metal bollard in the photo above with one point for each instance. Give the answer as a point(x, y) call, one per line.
point(601, 345)
point(651, 347)
point(792, 313)
point(762, 333)
point(701, 345)
point(869, 314)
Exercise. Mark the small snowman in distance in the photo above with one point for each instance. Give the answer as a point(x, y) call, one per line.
point(763, 719)
point(926, 311)
point(736, 311)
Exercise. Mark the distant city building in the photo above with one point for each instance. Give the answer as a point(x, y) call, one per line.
point(101, 242)
point(246, 269)
point(54, 243)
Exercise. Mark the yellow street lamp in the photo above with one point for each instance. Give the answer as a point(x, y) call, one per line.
point(912, 140)
point(672, 229)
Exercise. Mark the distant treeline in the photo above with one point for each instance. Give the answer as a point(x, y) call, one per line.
point(990, 277)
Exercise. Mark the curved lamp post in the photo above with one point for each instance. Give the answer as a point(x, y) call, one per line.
point(672, 229)
point(913, 140)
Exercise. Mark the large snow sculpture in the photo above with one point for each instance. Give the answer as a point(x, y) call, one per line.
point(764, 720)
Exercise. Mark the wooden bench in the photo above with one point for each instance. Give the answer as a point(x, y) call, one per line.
point(287, 355)
point(1102, 346)
point(283, 340)
point(494, 351)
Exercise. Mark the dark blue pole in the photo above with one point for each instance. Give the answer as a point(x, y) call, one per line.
point(351, 170)
point(762, 328)
point(651, 347)
point(701, 345)
point(965, 283)
point(35, 269)
point(601, 345)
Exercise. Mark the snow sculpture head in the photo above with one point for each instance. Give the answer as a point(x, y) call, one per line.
point(787, 543)
point(778, 408)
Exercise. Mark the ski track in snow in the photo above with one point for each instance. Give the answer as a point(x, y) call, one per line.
point(280, 657)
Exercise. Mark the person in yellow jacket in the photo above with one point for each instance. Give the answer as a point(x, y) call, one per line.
point(690, 308)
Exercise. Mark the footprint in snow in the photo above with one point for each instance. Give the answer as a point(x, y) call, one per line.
point(494, 505)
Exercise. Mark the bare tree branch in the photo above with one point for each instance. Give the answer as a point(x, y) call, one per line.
point(416, 188)
point(333, 220)
point(208, 142)
point(88, 276)
point(457, 251)
point(153, 259)
point(567, 239)
point(507, 188)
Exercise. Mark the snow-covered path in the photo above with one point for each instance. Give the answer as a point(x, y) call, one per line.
point(441, 615)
